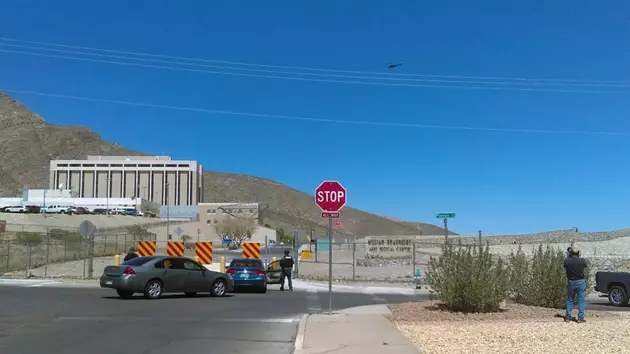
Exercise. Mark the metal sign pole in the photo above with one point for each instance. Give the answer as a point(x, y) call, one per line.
point(330, 253)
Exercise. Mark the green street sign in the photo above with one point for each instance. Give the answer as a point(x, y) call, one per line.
point(445, 215)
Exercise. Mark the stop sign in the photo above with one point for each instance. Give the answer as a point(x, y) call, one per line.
point(330, 196)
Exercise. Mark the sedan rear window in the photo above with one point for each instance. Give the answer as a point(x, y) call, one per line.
point(138, 261)
point(246, 263)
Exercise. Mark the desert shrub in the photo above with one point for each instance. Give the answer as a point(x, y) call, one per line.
point(28, 238)
point(468, 278)
point(540, 280)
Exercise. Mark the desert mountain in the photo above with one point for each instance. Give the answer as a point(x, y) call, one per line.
point(28, 143)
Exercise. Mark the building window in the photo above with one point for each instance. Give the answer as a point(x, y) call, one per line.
point(208, 221)
point(215, 221)
point(214, 211)
point(209, 211)
point(144, 165)
point(88, 165)
point(184, 165)
point(75, 165)
point(171, 165)
point(116, 165)
point(102, 165)
point(62, 165)
point(157, 165)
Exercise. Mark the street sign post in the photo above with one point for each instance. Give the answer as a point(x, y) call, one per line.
point(330, 197)
point(445, 217)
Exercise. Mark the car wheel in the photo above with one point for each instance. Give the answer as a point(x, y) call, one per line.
point(62, 212)
point(124, 294)
point(218, 288)
point(617, 296)
point(153, 290)
point(190, 294)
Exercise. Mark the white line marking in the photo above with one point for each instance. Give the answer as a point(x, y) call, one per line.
point(43, 284)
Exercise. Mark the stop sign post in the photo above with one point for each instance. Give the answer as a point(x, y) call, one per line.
point(330, 197)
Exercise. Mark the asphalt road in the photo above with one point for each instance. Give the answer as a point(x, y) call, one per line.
point(93, 320)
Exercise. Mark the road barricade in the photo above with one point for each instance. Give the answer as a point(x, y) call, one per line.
point(175, 248)
point(203, 251)
point(146, 248)
point(251, 250)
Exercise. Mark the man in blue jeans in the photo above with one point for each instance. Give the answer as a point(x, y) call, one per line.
point(575, 266)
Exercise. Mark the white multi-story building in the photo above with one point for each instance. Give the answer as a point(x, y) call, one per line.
point(155, 178)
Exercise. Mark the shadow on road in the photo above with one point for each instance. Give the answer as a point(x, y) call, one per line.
point(167, 297)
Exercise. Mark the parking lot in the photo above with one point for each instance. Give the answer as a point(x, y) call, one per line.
point(93, 320)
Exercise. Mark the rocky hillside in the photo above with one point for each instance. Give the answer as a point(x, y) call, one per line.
point(28, 143)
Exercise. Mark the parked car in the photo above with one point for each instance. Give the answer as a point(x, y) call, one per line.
point(100, 211)
point(79, 210)
point(3, 209)
point(154, 276)
point(56, 209)
point(16, 209)
point(615, 285)
point(33, 209)
point(248, 273)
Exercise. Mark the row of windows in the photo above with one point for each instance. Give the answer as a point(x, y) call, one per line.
point(232, 211)
point(122, 165)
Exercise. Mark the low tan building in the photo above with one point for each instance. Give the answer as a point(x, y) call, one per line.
point(216, 213)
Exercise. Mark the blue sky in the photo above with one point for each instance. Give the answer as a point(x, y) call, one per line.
point(496, 181)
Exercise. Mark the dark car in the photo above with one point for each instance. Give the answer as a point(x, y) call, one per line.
point(33, 209)
point(615, 285)
point(157, 275)
point(248, 273)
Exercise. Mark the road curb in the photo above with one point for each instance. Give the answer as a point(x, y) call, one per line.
point(301, 332)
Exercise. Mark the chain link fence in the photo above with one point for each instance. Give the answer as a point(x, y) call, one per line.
point(66, 255)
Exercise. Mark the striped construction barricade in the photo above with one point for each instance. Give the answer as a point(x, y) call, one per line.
point(175, 248)
point(203, 251)
point(251, 250)
point(146, 248)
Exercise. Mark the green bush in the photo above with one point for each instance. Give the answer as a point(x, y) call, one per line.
point(29, 238)
point(541, 280)
point(468, 278)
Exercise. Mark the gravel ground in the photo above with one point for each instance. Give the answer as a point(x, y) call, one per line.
point(517, 329)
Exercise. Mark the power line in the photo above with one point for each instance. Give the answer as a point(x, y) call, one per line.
point(528, 89)
point(313, 69)
point(449, 81)
point(315, 120)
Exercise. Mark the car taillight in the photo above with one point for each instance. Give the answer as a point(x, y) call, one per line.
point(259, 272)
point(231, 271)
point(129, 271)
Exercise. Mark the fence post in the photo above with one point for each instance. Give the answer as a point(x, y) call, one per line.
point(28, 264)
point(47, 257)
point(8, 255)
point(84, 252)
point(354, 258)
point(413, 259)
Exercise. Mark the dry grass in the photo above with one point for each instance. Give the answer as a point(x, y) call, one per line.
point(516, 329)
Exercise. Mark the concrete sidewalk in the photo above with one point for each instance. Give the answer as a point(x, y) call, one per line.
point(358, 330)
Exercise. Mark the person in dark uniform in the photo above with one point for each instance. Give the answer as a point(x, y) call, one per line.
point(131, 255)
point(575, 266)
point(286, 265)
